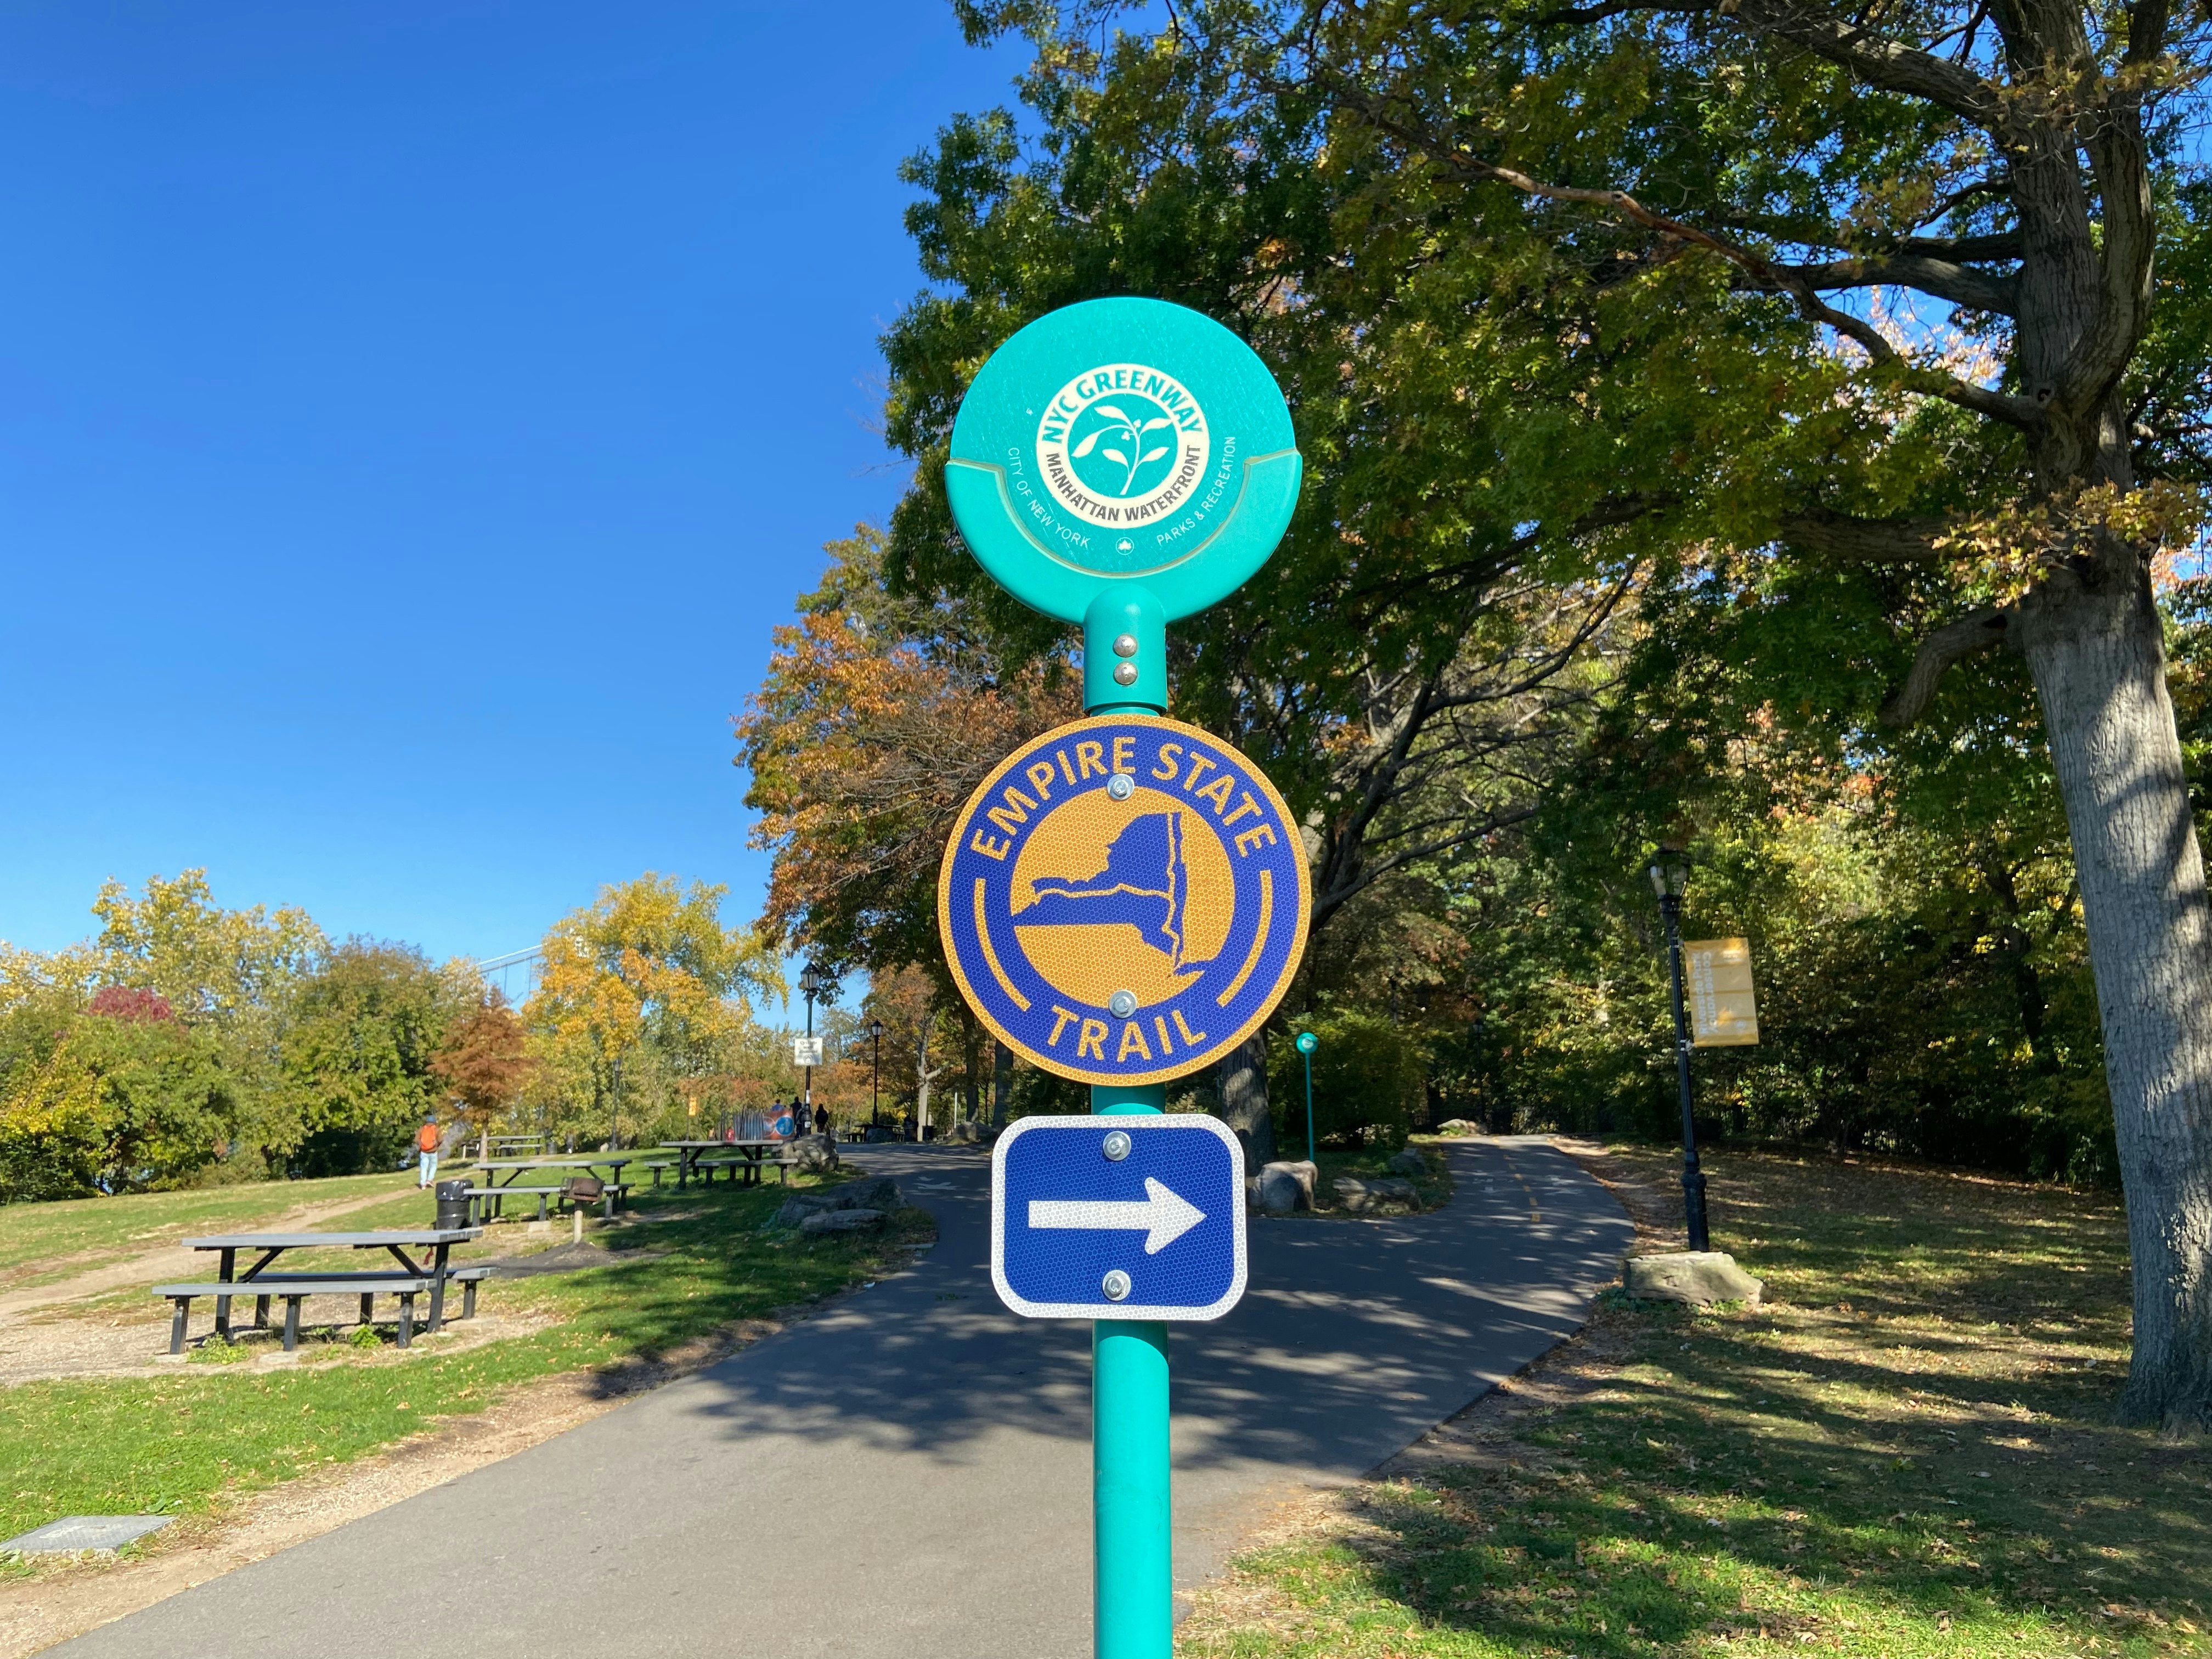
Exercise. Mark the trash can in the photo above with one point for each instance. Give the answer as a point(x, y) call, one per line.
point(453, 1204)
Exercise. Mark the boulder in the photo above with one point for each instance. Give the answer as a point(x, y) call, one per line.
point(1375, 1197)
point(874, 1193)
point(1457, 1126)
point(1694, 1276)
point(969, 1133)
point(841, 1221)
point(1284, 1188)
point(814, 1154)
point(796, 1210)
point(1408, 1162)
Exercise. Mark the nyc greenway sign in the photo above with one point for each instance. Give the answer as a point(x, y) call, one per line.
point(1124, 900)
point(1122, 441)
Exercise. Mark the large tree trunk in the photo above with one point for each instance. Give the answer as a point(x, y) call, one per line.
point(2100, 672)
point(1243, 1080)
point(924, 1073)
point(971, 1066)
point(1002, 1084)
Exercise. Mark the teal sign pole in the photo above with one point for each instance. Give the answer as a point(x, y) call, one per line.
point(1306, 1045)
point(1121, 463)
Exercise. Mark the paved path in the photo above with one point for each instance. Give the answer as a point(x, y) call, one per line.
point(909, 1474)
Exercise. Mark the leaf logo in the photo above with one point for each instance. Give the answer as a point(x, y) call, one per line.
point(1124, 444)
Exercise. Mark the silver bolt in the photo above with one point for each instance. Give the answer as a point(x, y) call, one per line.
point(1120, 786)
point(1126, 646)
point(1125, 673)
point(1115, 1285)
point(1117, 1146)
point(1122, 1004)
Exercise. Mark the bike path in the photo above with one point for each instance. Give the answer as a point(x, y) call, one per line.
point(908, 1474)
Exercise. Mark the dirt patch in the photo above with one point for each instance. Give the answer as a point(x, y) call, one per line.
point(68, 1599)
point(171, 1263)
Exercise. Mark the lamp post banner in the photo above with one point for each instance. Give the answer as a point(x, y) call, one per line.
point(1124, 900)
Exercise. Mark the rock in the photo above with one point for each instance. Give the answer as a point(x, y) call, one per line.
point(796, 1210)
point(1408, 1162)
point(841, 1221)
point(814, 1154)
point(1695, 1276)
point(1457, 1126)
point(875, 1193)
point(1375, 1197)
point(969, 1133)
point(1284, 1188)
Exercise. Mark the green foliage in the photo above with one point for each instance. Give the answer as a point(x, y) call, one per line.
point(1369, 1076)
point(189, 1044)
point(118, 1103)
point(363, 1033)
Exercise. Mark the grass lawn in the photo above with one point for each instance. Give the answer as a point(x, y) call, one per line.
point(1907, 1451)
point(184, 1441)
point(40, 1243)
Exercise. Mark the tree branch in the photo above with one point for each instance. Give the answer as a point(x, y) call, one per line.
point(1960, 284)
point(2022, 412)
point(1877, 59)
point(1862, 541)
point(1996, 245)
point(1947, 644)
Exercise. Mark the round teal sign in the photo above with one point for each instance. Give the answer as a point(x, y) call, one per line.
point(1122, 441)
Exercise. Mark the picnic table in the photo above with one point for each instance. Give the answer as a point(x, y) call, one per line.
point(689, 1152)
point(496, 1144)
point(518, 1167)
point(410, 1278)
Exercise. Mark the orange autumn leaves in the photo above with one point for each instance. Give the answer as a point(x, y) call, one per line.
point(863, 742)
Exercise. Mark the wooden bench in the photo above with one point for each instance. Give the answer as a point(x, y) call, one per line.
point(292, 1291)
point(478, 1195)
point(467, 1278)
point(656, 1164)
point(741, 1168)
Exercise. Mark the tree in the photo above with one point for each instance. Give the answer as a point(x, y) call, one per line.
point(912, 1006)
point(1657, 187)
point(876, 721)
point(485, 1061)
point(129, 1098)
point(230, 974)
point(2011, 164)
point(361, 1050)
point(642, 989)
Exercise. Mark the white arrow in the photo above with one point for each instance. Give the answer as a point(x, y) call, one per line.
point(1163, 1215)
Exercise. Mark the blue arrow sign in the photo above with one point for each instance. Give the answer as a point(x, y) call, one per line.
point(1118, 1216)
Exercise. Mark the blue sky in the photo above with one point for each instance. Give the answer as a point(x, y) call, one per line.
point(413, 418)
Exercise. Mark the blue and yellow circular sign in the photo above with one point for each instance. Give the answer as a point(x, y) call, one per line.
point(1124, 900)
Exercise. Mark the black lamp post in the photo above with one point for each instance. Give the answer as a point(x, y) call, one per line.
point(1670, 877)
point(876, 1083)
point(812, 983)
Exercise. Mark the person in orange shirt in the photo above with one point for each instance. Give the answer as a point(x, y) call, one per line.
point(426, 1143)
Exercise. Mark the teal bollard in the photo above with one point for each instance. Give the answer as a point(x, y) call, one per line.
point(1132, 1552)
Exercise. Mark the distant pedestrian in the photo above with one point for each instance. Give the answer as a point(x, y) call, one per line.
point(426, 1143)
point(805, 1116)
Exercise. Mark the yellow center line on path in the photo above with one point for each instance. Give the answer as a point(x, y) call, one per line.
point(1534, 1214)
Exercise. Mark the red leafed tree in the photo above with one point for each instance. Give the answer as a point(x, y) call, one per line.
point(484, 1061)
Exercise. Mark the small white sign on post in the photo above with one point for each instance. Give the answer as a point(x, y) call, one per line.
point(806, 1051)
